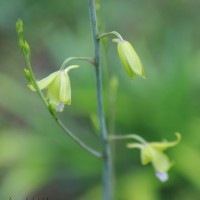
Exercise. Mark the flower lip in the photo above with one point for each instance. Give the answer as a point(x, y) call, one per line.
point(162, 176)
point(60, 107)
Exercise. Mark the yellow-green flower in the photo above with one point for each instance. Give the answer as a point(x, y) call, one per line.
point(58, 88)
point(129, 59)
point(152, 152)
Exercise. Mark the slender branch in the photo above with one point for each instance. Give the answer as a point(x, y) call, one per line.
point(76, 139)
point(33, 79)
point(110, 33)
point(129, 136)
point(76, 58)
point(107, 173)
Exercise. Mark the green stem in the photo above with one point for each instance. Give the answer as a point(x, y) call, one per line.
point(33, 79)
point(76, 58)
point(129, 136)
point(76, 139)
point(107, 170)
point(110, 33)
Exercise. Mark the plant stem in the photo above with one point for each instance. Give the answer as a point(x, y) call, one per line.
point(110, 33)
point(77, 140)
point(76, 58)
point(129, 136)
point(107, 170)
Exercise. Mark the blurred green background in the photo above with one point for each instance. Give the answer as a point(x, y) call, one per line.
point(37, 159)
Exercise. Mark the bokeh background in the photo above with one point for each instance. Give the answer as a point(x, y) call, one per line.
point(37, 159)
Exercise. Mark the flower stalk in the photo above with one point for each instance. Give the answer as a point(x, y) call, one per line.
point(109, 34)
point(65, 63)
point(107, 170)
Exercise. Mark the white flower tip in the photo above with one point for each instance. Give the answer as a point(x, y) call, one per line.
point(60, 107)
point(162, 176)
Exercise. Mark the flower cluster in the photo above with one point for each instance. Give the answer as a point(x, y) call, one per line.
point(58, 94)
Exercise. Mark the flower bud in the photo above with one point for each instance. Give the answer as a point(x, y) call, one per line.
point(129, 59)
point(27, 74)
point(19, 27)
point(26, 48)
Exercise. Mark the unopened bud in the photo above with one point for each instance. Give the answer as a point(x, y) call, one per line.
point(19, 27)
point(129, 59)
point(27, 74)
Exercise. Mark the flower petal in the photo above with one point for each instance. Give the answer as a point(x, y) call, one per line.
point(132, 58)
point(125, 62)
point(165, 144)
point(45, 82)
point(146, 156)
point(71, 67)
point(53, 93)
point(160, 161)
point(65, 88)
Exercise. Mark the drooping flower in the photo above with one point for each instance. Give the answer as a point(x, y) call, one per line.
point(152, 152)
point(58, 88)
point(129, 59)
